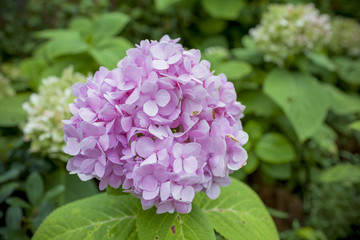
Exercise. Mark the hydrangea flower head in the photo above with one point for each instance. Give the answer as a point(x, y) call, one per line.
point(286, 30)
point(346, 36)
point(46, 109)
point(160, 124)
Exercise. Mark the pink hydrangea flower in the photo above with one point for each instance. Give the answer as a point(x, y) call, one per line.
point(161, 125)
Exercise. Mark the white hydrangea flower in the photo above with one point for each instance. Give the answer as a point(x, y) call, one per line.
point(286, 30)
point(46, 110)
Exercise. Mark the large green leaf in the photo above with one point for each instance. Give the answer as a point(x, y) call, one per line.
point(345, 172)
point(277, 171)
point(162, 5)
point(302, 99)
point(11, 112)
point(275, 148)
point(95, 217)
point(238, 213)
point(326, 138)
point(110, 51)
point(257, 103)
point(321, 60)
point(69, 45)
point(340, 102)
point(228, 9)
point(109, 25)
point(348, 69)
point(194, 225)
point(234, 70)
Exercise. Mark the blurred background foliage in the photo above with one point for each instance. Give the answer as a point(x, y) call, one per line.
point(302, 114)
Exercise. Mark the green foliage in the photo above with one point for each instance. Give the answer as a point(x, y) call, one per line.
point(302, 99)
point(228, 10)
point(11, 112)
point(94, 217)
point(274, 148)
point(238, 213)
point(344, 173)
point(92, 41)
point(194, 225)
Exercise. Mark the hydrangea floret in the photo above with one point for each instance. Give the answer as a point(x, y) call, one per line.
point(160, 124)
point(286, 30)
point(345, 37)
point(46, 110)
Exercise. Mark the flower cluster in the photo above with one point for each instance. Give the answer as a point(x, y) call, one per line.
point(160, 124)
point(46, 110)
point(286, 30)
point(346, 36)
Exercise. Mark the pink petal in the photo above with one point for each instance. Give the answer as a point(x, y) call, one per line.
point(150, 160)
point(165, 191)
point(162, 98)
point(151, 195)
point(151, 108)
point(150, 183)
point(86, 114)
point(160, 64)
point(87, 166)
point(72, 146)
point(99, 169)
point(149, 88)
point(175, 58)
point(126, 123)
point(177, 165)
point(104, 141)
point(190, 164)
point(145, 147)
point(188, 194)
point(213, 191)
point(192, 149)
point(177, 150)
point(134, 96)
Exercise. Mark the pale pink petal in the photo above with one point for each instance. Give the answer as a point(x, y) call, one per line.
point(190, 164)
point(160, 64)
point(87, 115)
point(162, 98)
point(191, 149)
point(151, 108)
point(177, 165)
point(151, 195)
point(165, 191)
point(175, 58)
point(145, 147)
point(150, 183)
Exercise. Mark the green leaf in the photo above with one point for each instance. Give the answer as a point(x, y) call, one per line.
point(193, 225)
point(12, 173)
point(326, 138)
point(228, 9)
point(251, 164)
point(277, 171)
point(162, 5)
point(56, 33)
point(32, 69)
point(254, 129)
point(109, 24)
point(321, 60)
point(275, 148)
point(43, 211)
point(342, 103)
point(7, 189)
point(69, 45)
point(355, 125)
point(15, 201)
point(13, 217)
point(302, 99)
point(54, 192)
point(108, 53)
point(11, 112)
point(238, 213)
point(348, 69)
point(103, 215)
point(248, 55)
point(82, 25)
point(34, 187)
point(257, 103)
point(234, 70)
point(344, 172)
